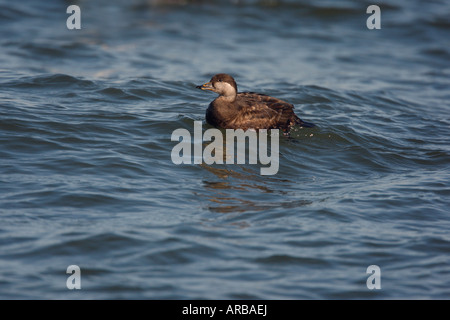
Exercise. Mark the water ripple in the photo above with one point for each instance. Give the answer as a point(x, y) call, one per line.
point(86, 175)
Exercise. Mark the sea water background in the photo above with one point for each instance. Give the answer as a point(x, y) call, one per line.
point(86, 177)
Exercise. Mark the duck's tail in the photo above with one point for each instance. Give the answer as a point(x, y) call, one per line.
point(304, 124)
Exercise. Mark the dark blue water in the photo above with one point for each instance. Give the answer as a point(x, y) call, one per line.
point(86, 176)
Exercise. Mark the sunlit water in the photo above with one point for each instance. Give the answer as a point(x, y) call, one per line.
point(86, 175)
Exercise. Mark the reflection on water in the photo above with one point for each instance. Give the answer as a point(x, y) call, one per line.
point(233, 189)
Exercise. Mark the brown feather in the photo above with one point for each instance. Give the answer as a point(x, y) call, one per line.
point(247, 110)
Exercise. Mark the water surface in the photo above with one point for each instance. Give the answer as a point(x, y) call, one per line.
point(86, 176)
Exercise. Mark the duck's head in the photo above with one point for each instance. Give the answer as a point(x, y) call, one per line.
point(221, 83)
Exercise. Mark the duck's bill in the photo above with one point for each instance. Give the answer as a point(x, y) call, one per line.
point(206, 86)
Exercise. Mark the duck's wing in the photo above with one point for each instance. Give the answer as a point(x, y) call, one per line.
point(263, 111)
point(263, 99)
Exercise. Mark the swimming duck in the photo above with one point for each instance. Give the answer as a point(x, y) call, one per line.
point(247, 110)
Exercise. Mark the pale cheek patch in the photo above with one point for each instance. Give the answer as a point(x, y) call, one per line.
point(224, 88)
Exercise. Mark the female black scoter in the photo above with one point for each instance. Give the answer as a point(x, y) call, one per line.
point(247, 110)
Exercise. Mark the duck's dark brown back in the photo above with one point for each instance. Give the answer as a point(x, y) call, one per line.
point(265, 111)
